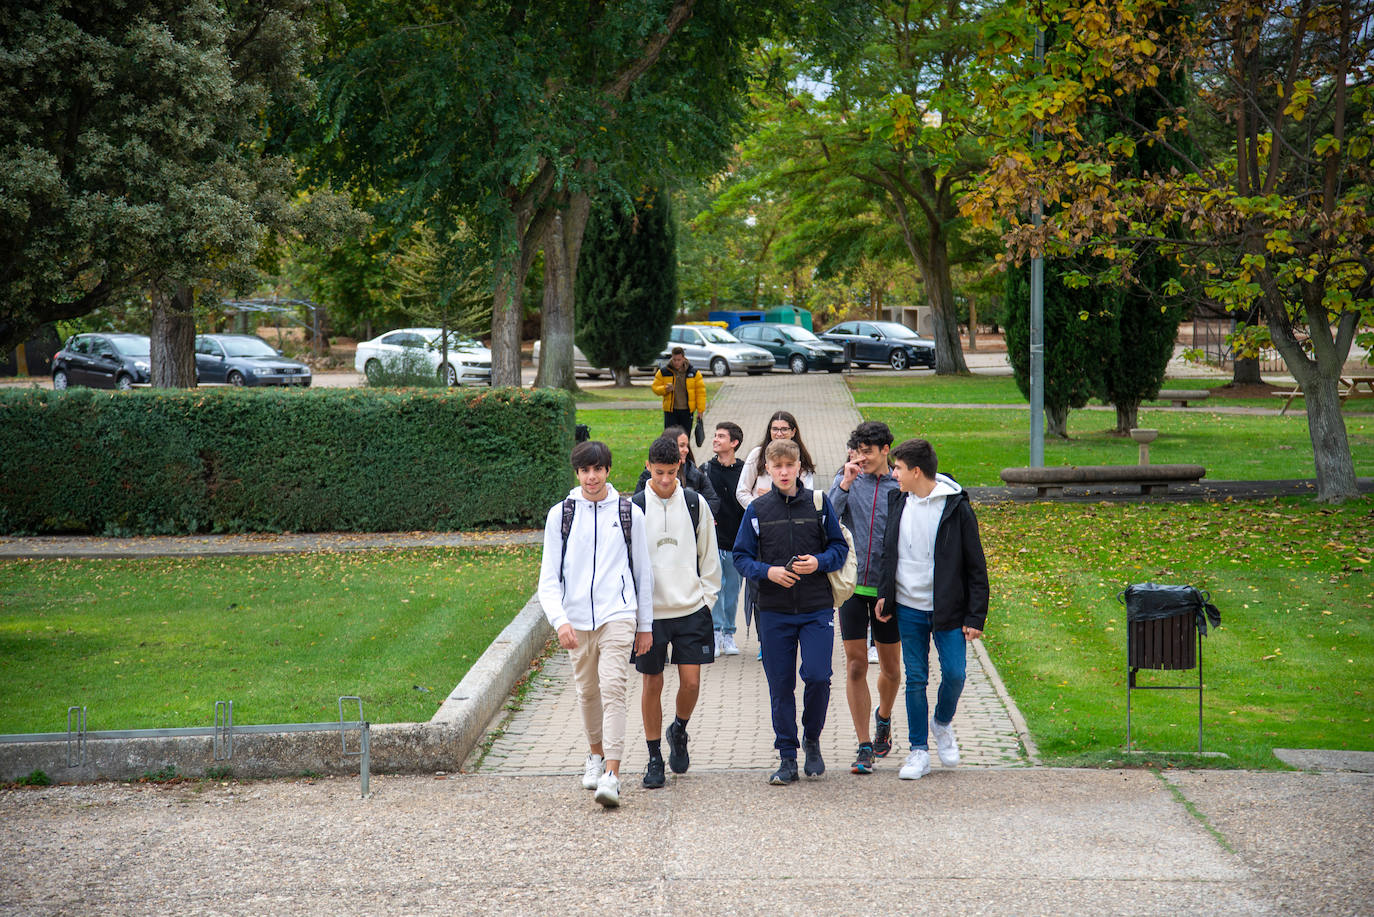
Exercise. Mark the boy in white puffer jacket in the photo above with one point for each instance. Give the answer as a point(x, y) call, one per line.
point(596, 588)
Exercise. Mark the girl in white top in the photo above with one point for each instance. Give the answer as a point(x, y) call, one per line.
point(754, 480)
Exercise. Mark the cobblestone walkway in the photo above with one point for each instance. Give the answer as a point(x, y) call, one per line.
point(731, 728)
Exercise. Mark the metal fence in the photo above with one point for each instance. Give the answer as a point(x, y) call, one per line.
point(221, 733)
point(1209, 337)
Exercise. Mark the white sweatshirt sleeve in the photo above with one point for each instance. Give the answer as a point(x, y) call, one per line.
point(550, 587)
point(708, 558)
point(748, 477)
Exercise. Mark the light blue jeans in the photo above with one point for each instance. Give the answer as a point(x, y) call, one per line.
point(723, 612)
point(952, 651)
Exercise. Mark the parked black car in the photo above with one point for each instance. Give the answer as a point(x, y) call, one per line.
point(883, 342)
point(245, 359)
point(102, 361)
point(793, 346)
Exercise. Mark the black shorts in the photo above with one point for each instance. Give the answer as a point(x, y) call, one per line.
point(856, 615)
point(693, 639)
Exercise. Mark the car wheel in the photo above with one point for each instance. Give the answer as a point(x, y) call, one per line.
point(719, 367)
point(373, 370)
point(59, 380)
point(797, 364)
point(593, 375)
point(124, 382)
point(235, 378)
point(448, 374)
point(897, 359)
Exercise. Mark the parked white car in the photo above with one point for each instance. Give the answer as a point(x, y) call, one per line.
point(469, 363)
point(712, 347)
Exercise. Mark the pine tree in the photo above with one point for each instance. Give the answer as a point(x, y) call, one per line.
point(627, 284)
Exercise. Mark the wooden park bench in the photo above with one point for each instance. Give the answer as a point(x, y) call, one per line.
point(1149, 478)
point(1351, 387)
point(1179, 398)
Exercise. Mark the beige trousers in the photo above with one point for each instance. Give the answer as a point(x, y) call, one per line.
point(601, 672)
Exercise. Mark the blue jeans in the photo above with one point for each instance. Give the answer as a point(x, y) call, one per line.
point(780, 635)
point(723, 612)
point(952, 651)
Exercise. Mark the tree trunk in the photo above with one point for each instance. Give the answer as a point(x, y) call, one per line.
point(172, 338)
point(1330, 446)
point(949, 353)
point(562, 248)
point(1057, 421)
point(1246, 371)
point(1127, 417)
point(621, 376)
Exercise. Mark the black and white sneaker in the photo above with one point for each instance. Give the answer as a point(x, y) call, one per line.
point(676, 737)
point(785, 774)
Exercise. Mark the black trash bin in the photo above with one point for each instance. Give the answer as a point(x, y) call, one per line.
point(1164, 630)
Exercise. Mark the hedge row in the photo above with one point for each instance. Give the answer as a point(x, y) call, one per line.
point(254, 460)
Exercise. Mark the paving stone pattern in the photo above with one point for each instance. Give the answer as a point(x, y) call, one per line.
point(731, 728)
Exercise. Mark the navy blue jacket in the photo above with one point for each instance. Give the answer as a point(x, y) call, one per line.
point(812, 591)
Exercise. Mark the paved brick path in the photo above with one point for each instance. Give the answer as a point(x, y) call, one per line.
point(731, 728)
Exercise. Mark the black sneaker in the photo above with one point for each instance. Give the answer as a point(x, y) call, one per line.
point(863, 761)
point(653, 774)
point(677, 748)
point(814, 766)
point(882, 735)
point(785, 774)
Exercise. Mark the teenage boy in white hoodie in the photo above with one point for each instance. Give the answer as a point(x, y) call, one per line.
point(596, 587)
point(686, 582)
point(934, 580)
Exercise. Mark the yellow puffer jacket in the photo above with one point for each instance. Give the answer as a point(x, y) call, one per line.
point(696, 388)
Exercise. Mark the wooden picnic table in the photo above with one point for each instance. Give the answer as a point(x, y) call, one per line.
point(1351, 387)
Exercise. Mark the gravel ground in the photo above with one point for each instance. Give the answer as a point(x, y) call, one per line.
point(1037, 841)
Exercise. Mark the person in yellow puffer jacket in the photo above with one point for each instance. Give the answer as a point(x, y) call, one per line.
point(683, 389)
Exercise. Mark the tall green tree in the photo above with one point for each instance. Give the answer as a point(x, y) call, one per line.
point(1273, 207)
point(131, 156)
point(1075, 319)
point(627, 284)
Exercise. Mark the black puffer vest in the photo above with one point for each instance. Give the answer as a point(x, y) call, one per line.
point(790, 526)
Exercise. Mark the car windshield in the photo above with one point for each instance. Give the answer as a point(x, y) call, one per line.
point(894, 330)
point(131, 346)
point(247, 347)
point(797, 333)
point(718, 336)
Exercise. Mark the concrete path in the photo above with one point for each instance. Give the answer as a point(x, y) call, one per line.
point(731, 728)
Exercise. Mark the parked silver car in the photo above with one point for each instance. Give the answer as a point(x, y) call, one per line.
point(712, 347)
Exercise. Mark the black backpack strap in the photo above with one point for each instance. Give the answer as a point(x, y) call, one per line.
point(693, 506)
point(569, 508)
point(627, 519)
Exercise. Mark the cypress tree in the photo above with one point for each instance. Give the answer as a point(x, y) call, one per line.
point(627, 284)
point(1074, 325)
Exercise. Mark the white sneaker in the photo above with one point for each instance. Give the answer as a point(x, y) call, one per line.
point(608, 790)
point(592, 772)
point(720, 644)
point(727, 645)
point(917, 765)
point(872, 654)
point(945, 745)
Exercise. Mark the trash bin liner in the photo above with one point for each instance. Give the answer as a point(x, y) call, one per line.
point(1155, 601)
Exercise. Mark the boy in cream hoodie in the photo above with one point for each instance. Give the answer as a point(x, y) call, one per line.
point(686, 570)
point(596, 588)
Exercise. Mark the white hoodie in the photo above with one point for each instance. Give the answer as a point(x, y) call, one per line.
point(916, 544)
point(597, 586)
point(686, 563)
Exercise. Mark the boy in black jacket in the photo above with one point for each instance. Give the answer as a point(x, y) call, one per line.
point(934, 579)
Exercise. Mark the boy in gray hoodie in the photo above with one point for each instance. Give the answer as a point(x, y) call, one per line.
point(934, 581)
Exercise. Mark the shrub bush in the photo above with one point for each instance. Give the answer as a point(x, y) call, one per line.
point(250, 460)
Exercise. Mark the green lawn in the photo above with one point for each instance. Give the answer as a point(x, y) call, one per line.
point(154, 643)
point(975, 445)
point(1291, 665)
point(925, 388)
